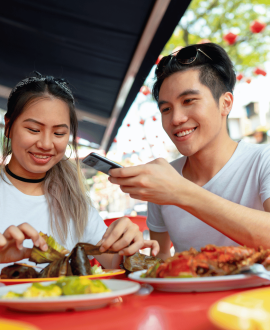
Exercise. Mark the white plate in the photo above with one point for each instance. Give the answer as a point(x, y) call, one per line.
point(67, 303)
point(201, 284)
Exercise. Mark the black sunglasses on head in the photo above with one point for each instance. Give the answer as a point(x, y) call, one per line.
point(184, 56)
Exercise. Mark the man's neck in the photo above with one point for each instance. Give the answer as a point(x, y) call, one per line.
point(206, 163)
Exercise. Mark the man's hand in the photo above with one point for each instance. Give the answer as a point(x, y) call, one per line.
point(11, 243)
point(157, 182)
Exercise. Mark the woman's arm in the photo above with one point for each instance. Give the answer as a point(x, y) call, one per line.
point(11, 243)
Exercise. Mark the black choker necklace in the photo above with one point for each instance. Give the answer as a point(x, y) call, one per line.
point(22, 179)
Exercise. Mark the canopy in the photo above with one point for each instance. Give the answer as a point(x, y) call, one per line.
point(105, 49)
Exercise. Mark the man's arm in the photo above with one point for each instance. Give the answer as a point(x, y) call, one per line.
point(164, 244)
point(158, 182)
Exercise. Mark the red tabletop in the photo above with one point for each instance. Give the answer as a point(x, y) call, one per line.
point(158, 311)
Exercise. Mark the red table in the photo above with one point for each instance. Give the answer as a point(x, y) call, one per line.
point(158, 311)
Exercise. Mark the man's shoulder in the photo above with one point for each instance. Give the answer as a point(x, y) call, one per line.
point(255, 150)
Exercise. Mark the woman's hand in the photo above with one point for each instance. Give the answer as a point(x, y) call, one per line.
point(11, 243)
point(122, 236)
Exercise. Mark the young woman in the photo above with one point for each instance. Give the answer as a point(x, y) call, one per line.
point(40, 189)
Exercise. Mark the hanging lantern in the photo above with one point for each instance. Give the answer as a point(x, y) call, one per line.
point(124, 153)
point(159, 59)
point(143, 148)
point(156, 136)
point(239, 77)
point(143, 138)
point(230, 38)
point(133, 151)
point(142, 121)
point(128, 125)
point(114, 140)
point(260, 71)
point(163, 141)
point(154, 118)
point(151, 145)
point(204, 41)
point(257, 26)
point(145, 90)
point(248, 80)
point(129, 140)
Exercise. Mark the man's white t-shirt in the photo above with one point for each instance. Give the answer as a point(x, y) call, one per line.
point(17, 208)
point(245, 180)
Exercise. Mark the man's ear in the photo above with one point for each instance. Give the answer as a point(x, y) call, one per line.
point(226, 103)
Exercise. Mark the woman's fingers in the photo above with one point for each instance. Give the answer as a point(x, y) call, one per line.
point(22, 232)
point(129, 243)
point(114, 232)
point(32, 233)
point(15, 233)
point(153, 245)
point(3, 241)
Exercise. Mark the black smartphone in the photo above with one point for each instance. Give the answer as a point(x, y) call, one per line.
point(100, 163)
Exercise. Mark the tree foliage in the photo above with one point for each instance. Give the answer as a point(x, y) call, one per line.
point(212, 19)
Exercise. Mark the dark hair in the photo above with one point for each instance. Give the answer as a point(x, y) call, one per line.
point(64, 185)
point(217, 74)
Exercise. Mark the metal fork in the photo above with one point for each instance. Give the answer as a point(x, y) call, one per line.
point(258, 270)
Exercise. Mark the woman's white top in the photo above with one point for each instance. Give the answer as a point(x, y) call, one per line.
point(17, 208)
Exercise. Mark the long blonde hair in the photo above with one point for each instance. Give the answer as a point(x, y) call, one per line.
point(64, 185)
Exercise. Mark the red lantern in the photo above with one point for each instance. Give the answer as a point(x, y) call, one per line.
point(163, 141)
point(151, 145)
point(154, 118)
point(124, 153)
point(145, 90)
point(143, 148)
point(129, 140)
point(143, 138)
point(230, 38)
point(128, 125)
point(159, 59)
point(156, 136)
point(248, 80)
point(134, 151)
point(257, 26)
point(114, 140)
point(141, 121)
point(260, 71)
point(239, 77)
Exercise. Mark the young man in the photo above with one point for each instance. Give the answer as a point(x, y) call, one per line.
point(219, 191)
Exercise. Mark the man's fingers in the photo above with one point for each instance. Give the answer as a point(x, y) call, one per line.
point(126, 172)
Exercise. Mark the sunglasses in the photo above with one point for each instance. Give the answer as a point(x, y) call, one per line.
point(184, 56)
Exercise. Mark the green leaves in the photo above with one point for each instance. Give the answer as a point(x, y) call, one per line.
point(211, 19)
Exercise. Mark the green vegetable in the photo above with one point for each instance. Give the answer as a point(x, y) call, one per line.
point(55, 251)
